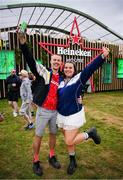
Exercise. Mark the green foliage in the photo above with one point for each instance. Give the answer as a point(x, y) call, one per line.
point(30, 45)
point(96, 79)
point(44, 57)
point(18, 56)
point(110, 59)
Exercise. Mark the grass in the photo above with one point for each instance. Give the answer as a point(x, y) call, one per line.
point(105, 161)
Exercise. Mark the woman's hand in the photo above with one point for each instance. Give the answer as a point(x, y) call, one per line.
point(105, 52)
point(79, 100)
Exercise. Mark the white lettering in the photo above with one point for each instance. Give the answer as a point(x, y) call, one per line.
point(66, 51)
point(89, 53)
point(62, 51)
point(72, 52)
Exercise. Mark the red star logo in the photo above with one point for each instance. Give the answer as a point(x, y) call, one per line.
point(75, 39)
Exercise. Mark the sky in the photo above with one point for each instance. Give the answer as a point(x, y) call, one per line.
point(109, 12)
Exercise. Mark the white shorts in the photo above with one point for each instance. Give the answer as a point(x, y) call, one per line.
point(71, 122)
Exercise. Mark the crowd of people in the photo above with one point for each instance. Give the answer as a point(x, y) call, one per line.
point(56, 96)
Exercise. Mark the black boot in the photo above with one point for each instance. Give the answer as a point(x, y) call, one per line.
point(72, 165)
point(37, 169)
point(54, 162)
point(92, 133)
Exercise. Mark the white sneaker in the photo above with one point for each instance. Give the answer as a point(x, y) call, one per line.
point(15, 114)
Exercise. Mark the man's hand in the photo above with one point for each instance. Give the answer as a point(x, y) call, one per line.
point(105, 52)
point(22, 37)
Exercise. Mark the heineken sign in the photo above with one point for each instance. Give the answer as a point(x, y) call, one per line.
point(68, 51)
point(73, 46)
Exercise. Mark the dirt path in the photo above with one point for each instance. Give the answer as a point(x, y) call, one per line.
point(105, 117)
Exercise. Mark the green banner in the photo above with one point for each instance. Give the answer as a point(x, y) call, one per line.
point(119, 68)
point(107, 73)
point(7, 63)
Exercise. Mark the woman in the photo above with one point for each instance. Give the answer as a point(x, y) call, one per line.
point(70, 113)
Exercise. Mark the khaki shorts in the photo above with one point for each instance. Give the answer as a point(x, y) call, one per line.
point(25, 109)
point(45, 117)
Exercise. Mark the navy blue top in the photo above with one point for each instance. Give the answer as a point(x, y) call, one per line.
point(68, 93)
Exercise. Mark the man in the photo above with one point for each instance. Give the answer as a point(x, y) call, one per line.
point(26, 96)
point(13, 83)
point(45, 96)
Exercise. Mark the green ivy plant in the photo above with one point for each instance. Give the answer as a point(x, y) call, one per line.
point(109, 60)
point(17, 56)
point(96, 79)
point(44, 57)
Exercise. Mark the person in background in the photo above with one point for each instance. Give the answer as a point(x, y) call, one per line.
point(26, 96)
point(70, 113)
point(13, 83)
